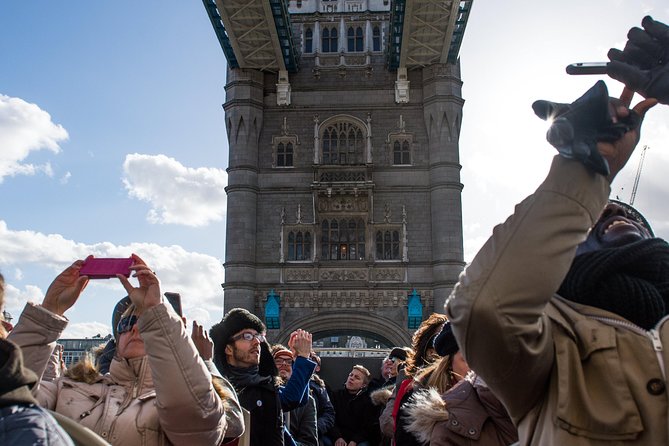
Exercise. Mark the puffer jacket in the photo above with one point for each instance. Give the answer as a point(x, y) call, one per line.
point(466, 415)
point(163, 398)
point(568, 374)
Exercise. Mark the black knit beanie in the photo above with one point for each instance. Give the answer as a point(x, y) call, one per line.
point(445, 343)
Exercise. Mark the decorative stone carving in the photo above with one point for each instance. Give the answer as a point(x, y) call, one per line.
point(283, 89)
point(345, 176)
point(299, 275)
point(388, 274)
point(342, 275)
point(402, 86)
point(342, 204)
point(363, 299)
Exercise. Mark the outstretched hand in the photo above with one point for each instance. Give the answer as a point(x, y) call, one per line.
point(147, 294)
point(300, 343)
point(618, 152)
point(65, 289)
point(204, 345)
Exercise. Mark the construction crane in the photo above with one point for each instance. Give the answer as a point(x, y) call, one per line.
point(638, 175)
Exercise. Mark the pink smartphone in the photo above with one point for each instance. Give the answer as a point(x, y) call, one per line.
point(105, 268)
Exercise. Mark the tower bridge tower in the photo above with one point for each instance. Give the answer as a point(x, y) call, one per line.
point(344, 195)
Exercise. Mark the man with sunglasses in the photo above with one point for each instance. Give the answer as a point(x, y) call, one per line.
point(157, 391)
point(242, 355)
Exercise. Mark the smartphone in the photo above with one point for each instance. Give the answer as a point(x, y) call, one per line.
point(175, 300)
point(105, 268)
point(587, 68)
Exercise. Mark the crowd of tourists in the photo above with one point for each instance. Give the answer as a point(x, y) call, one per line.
point(553, 335)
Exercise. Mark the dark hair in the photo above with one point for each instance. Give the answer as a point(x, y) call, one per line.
point(422, 340)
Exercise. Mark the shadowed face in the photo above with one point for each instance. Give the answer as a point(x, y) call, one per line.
point(356, 381)
point(244, 349)
point(614, 228)
point(130, 344)
point(389, 367)
point(284, 364)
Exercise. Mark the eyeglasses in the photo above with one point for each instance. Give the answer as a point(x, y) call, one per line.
point(126, 323)
point(283, 362)
point(248, 337)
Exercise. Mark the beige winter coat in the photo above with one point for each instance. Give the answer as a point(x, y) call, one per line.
point(163, 398)
point(568, 374)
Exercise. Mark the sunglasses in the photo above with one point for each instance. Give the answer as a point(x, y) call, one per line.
point(249, 337)
point(126, 323)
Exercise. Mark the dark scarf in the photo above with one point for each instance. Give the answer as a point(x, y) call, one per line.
point(631, 281)
point(245, 377)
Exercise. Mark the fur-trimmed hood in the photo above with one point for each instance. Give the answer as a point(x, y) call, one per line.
point(425, 409)
point(381, 396)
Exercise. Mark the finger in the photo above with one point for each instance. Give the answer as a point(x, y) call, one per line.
point(81, 284)
point(629, 75)
point(642, 107)
point(129, 288)
point(626, 96)
point(658, 30)
point(137, 259)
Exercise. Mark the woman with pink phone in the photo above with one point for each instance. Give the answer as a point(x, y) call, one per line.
point(157, 391)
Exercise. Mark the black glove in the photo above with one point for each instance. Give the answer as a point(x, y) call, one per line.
point(643, 65)
point(576, 128)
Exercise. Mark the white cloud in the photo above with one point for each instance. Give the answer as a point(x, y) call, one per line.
point(15, 298)
point(25, 128)
point(197, 277)
point(86, 330)
point(65, 178)
point(177, 194)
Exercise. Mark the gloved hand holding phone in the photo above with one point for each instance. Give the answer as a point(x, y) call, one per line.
point(643, 65)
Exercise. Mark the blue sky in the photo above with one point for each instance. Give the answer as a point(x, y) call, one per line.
point(112, 138)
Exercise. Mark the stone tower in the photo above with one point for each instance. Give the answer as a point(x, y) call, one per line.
point(344, 194)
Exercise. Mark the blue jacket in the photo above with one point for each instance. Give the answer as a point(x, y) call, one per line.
point(325, 412)
point(295, 393)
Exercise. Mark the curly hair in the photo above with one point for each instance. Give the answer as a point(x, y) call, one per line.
point(421, 343)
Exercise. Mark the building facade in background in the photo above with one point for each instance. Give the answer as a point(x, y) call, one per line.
point(344, 196)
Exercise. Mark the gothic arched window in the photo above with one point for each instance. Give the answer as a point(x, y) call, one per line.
point(401, 152)
point(329, 40)
point(388, 245)
point(308, 41)
point(284, 154)
point(299, 245)
point(343, 239)
point(355, 39)
point(376, 39)
point(342, 143)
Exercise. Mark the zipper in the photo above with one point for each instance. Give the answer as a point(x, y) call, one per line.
point(653, 334)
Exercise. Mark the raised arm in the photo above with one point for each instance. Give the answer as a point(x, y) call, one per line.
point(498, 307)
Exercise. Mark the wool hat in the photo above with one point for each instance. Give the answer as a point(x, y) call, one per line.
point(235, 321)
point(283, 353)
point(400, 353)
point(445, 343)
